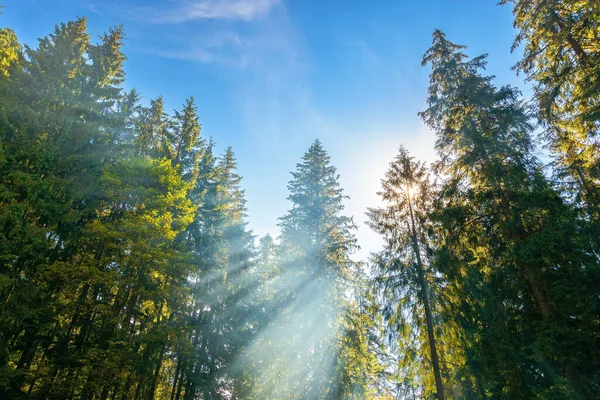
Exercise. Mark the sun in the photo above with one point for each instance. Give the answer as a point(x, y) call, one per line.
point(412, 190)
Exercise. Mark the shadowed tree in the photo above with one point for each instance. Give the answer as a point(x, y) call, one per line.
point(499, 214)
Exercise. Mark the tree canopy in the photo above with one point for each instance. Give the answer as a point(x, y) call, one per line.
point(128, 269)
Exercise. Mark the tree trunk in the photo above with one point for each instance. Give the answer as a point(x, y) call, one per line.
point(157, 370)
point(428, 315)
point(176, 378)
point(538, 294)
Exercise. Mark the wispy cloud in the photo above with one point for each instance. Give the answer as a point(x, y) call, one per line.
point(270, 46)
point(189, 10)
point(93, 8)
point(223, 48)
point(222, 36)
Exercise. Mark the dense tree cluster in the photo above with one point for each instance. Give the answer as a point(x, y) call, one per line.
point(127, 270)
point(490, 276)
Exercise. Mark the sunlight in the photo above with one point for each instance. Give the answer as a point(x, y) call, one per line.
point(422, 247)
point(284, 351)
point(412, 191)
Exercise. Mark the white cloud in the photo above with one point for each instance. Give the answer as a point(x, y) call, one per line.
point(221, 38)
point(188, 10)
point(222, 48)
point(271, 47)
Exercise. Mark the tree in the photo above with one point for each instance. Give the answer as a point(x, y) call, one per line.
point(54, 117)
point(499, 213)
point(152, 127)
point(404, 277)
point(316, 243)
point(224, 250)
point(186, 144)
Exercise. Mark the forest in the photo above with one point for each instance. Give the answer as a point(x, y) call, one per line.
point(128, 271)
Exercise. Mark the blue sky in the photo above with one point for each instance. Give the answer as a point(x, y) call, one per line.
point(270, 76)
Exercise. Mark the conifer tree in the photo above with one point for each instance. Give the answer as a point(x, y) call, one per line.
point(316, 243)
point(405, 274)
point(499, 213)
point(93, 280)
point(187, 146)
point(224, 249)
point(55, 110)
point(152, 130)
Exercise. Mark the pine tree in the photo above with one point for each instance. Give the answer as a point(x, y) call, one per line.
point(152, 126)
point(187, 146)
point(405, 274)
point(499, 213)
point(224, 250)
point(93, 280)
point(316, 243)
point(55, 110)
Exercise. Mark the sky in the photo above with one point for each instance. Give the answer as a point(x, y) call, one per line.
point(271, 76)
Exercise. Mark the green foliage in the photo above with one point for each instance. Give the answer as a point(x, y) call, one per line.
point(114, 218)
point(410, 288)
point(561, 57)
point(318, 342)
point(127, 269)
point(9, 51)
point(510, 246)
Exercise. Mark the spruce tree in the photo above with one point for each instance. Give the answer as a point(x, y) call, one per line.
point(499, 214)
point(316, 243)
point(55, 113)
point(224, 249)
point(404, 269)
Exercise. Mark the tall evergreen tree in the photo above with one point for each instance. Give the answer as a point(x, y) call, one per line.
point(224, 249)
point(56, 108)
point(187, 146)
point(499, 213)
point(405, 275)
point(152, 130)
point(316, 281)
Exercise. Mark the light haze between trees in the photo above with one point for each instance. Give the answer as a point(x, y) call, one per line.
point(127, 270)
